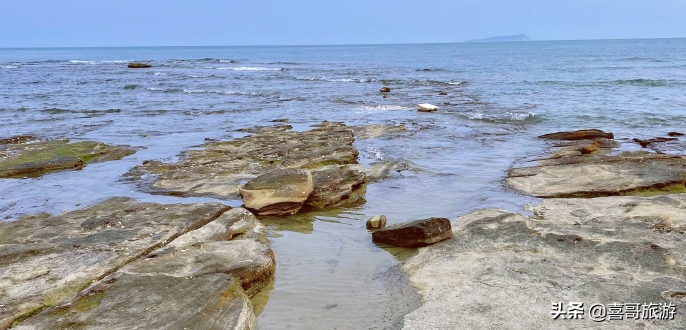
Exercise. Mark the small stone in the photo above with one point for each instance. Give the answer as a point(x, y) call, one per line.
point(442, 93)
point(385, 89)
point(426, 107)
point(376, 222)
point(675, 134)
point(416, 233)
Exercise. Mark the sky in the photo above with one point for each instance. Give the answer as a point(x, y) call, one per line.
point(88, 23)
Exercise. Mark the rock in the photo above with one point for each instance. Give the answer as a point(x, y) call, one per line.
point(139, 65)
point(18, 139)
point(415, 234)
point(374, 131)
point(426, 107)
point(645, 143)
point(336, 186)
point(278, 192)
point(376, 222)
point(385, 90)
point(205, 262)
point(280, 120)
point(442, 93)
point(675, 134)
point(37, 158)
point(625, 174)
point(601, 250)
point(587, 134)
point(221, 168)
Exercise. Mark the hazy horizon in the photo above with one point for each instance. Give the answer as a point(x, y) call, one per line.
point(126, 23)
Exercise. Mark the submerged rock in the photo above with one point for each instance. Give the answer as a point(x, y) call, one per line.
point(376, 222)
point(415, 234)
point(139, 65)
point(675, 134)
point(645, 143)
point(18, 139)
point(37, 158)
point(93, 269)
point(426, 107)
point(385, 89)
point(221, 168)
point(596, 251)
point(374, 131)
point(278, 192)
point(586, 134)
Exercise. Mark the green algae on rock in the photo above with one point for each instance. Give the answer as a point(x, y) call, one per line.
point(206, 255)
point(24, 159)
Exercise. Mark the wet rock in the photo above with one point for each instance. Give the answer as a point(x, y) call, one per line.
point(583, 147)
point(675, 134)
point(139, 65)
point(221, 168)
point(265, 129)
point(415, 234)
point(385, 89)
point(376, 222)
point(442, 93)
point(37, 158)
point(625, 174)
point(336, 186)
point(18, 139)
point(587, 134)
point(374, 131)
point(426, 107)
point(645, 143)
point(601, 250)
point(278, 192)
point(68, 252)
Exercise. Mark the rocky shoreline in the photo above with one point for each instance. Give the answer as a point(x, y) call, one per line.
point(609, 230)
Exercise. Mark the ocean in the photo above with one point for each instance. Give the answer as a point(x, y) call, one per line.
point(494, 99)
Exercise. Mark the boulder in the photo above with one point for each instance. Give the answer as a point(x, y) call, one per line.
point(278, 192)
point(376, 222)
point(645, 143)
point(34, 159)
point(426, 107)
point(385, 89)
point(587, 134)
point(139, 65)
point(336, 186)
point(415, 234)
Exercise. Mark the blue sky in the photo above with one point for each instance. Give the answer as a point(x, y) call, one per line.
point(67, 23)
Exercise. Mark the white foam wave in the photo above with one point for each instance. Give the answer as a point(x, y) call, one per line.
point(9, 67)
point(226, 61)
point(202, 91)
point(249, 68)
point(335, 80)
point(195, 91)
point(456, 83)
point(160, 74)
point(383, 107)
point(81, 62)
point(513, 116)
point(378, 154)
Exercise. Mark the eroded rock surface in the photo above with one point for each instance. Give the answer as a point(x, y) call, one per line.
point(586, 134)
point(504, 270)
point(22, 156)
point(278, 192)
point(221, 168)
point(117, 256)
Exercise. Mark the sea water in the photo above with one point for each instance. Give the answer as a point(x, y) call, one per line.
point(498, 97)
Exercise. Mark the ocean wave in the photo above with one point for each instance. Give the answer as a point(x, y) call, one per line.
point(508, 116)
point(202, 91)
point(202, 76)
point(81, 62)
point(429, 70)
point(160, 74)
point(54, 111)
point(9, 66)
point(250, 68)
point(131, 87)
point(227, 61)
point(164, 90)
point(335, 79)
point(383, 107)
point(646, 82)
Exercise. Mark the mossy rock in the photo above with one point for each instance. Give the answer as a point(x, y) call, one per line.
point(36, 159)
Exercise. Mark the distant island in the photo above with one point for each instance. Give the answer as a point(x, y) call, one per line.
point(518, 37)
